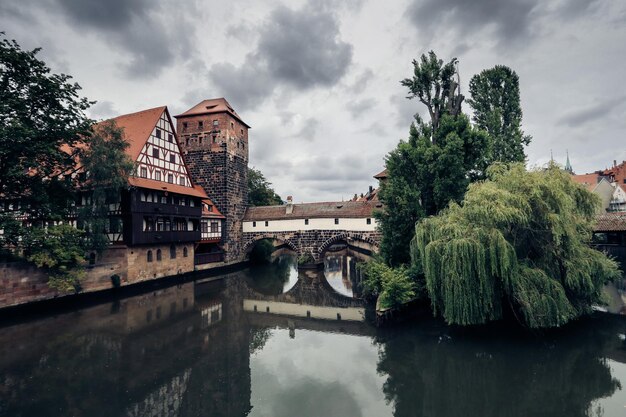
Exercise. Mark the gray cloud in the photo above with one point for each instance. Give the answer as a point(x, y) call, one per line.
point(510, 21)
point(149, 33)
point(594, 112)
point(297, 48)
point(309, 129)
point(358, 107)
point(102, 110)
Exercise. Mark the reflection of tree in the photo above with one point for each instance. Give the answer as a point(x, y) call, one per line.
point(270, 279)
point(258, 337)
point(494, 376)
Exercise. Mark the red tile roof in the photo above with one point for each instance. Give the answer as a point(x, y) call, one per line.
point(196, 191)
point(342, 209)
point(382, 174)
point(214, 213)
point(138, 127)
point(611, 222)
point(588, 180)
point(211, 106)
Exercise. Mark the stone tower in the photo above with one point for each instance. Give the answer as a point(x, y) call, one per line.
point(214, 140)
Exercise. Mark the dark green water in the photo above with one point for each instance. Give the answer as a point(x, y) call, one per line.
point(270, 341)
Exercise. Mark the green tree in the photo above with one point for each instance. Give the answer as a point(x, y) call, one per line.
point(60, 251)
point(519, 241)
point(41, 117)
point(433, 84)
point(260, 191)
point(107, 168)
point(495, 99)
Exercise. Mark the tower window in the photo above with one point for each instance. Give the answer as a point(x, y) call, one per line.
point(184, 126)
point(200, 124)
point(216, 123)
point(232, 125)
point(241, 131)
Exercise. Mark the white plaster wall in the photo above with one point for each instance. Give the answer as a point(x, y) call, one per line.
point(290, 225)
point(300, 310)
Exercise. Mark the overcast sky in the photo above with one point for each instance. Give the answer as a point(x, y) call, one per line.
point(318, 81)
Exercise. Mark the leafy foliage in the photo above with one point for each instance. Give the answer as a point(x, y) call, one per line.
point(306, 258)
point(495, 98)
point(60, 251)
point(108, 168)
point(424, 175)
point(41, 116)
point(260, 191)
point(262, 252)
point(392, 286)
point(437, 162)
point(433, 84)
point(520, 239)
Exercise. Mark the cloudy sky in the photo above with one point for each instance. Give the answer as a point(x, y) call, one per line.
point(318, 80)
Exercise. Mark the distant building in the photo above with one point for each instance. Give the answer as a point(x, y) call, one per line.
point(613, 197)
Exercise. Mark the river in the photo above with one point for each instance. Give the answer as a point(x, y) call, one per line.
point(275, 342)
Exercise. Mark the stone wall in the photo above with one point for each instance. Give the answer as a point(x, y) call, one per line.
point(315, 242)
point(22, 283)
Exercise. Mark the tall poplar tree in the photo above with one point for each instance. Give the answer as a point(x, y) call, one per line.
point(495, 99)
point(435, 165)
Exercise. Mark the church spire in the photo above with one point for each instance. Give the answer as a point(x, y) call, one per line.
point(568, 165)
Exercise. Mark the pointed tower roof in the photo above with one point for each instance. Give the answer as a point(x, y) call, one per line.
point(212, 106)
point(568, 165)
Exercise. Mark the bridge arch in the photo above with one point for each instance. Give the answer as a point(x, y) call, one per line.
point(249, 244)
point(350, 239)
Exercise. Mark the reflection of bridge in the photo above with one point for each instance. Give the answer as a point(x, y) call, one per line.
point(313, 227)
point(311, 297)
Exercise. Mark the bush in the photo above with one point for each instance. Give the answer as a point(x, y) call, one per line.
point(306, 258)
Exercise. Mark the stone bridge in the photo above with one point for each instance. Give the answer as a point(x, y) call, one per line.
point(311, 228)
point(315, 242)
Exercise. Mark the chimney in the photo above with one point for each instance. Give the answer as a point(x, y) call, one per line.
point(614, 163)
point(371, 189)
point(289, 206)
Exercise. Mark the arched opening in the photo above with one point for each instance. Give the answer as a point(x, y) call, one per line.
point(185, 252)
point(158, 256)
point(149, 256)
point(172, 252)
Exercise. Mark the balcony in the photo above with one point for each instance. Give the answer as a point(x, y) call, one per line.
point(208, 258)
point(170, 236)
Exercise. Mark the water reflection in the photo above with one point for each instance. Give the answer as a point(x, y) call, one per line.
point(203, 349)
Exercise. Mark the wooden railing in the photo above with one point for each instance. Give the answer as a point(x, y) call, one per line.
point(207, 258)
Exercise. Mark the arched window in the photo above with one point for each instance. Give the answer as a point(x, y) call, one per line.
point(172, 252)
point(149, 256)
point(158, 254)
point(185, 254)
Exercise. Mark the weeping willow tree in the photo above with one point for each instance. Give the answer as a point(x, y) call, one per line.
point(520, 239)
